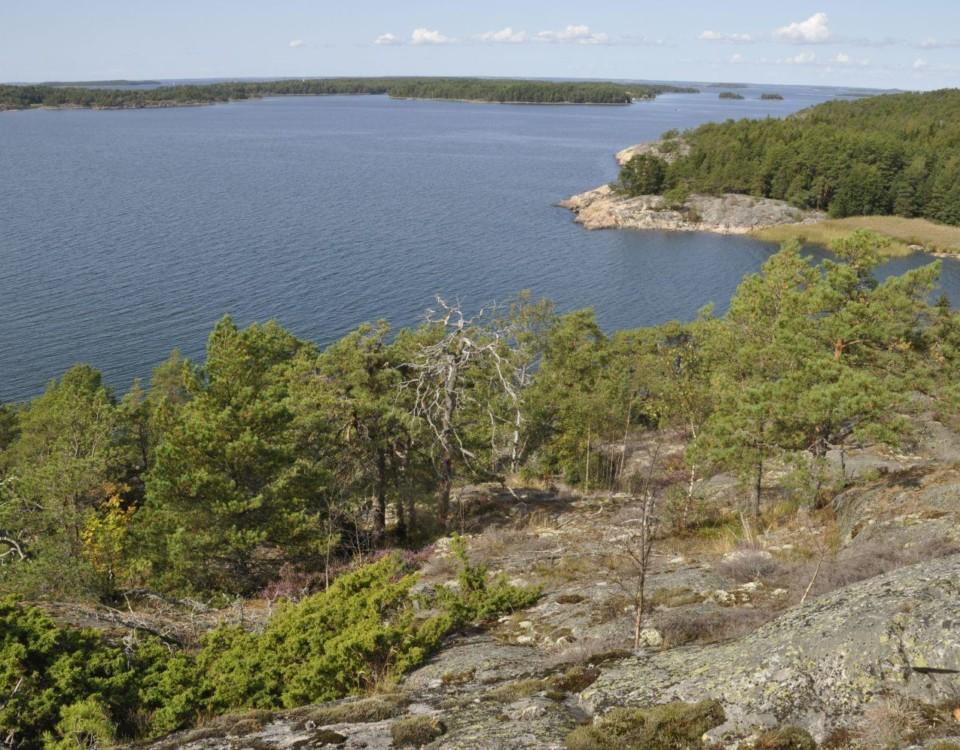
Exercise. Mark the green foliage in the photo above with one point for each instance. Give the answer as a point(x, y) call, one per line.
point(227, 488)
point(677, 196)
point(64, 687)
point(362, 632)
point(642, 175)
point(816, 357)
point(672, 726)
point(880, 155)
point(83, 726)
point(477, 598)
point(59, 469)
point(67, 687)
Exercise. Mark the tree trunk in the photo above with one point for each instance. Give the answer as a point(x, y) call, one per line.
point(380, 511)
point(443, 492)
point(401, 527)
point(758, 486)
point(586, 481)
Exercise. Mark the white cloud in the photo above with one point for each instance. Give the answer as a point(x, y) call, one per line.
point(575, 35)
point(504, 36)
point(297, 43)
point(920, 64)
point(736, 58)
point(428, 36)
point(387, 39)
point(815, 30)
point(933, 43)
point(841, 58)
point(719, 36)
point(804, 58)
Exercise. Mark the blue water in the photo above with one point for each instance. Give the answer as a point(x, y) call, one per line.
point(125, 234)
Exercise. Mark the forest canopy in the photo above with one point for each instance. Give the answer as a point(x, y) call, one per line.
point(474, 89)
point(893, 154)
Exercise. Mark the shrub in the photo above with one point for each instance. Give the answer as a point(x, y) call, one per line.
point(672, 726)
point(83, 726)
point(676, 197)
point(63, 683)
point(478, 598)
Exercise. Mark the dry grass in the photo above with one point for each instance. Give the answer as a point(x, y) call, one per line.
point(711, 625)
point(940, 238)
point(897, 722)
point(591, 652)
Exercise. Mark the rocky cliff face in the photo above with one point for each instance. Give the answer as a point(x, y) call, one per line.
point(604, 208)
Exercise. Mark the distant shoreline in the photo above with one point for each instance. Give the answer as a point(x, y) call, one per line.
point(468, 90)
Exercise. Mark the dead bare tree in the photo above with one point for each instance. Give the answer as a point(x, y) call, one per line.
point(440, 369)
point(13, 548)
point(630, 565)
point(505, 348)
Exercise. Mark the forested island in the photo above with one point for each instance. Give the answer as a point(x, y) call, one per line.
point(465, 89)
point(112, 83)
point(771, 97)
point(267, 529)
point(731, 95)
point(896, 154)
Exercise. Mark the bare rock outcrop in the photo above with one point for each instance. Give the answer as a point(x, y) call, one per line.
point(668, 149)
point(732, 213)
point(817, 666)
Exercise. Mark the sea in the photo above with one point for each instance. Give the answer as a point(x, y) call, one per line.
point(124, 234)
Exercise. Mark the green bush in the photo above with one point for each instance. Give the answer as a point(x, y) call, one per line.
point(68, 685)
point(672, 726)
point(643, 175)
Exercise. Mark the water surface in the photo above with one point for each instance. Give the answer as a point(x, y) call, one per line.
point(127, 233)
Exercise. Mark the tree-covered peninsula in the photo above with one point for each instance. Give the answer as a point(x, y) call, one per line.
point(895, 154)
point(467, 89)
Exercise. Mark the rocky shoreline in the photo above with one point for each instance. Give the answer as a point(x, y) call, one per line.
point(731, 213)
point(604, 208)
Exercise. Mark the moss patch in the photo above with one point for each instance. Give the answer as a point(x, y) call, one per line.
point(416, 731)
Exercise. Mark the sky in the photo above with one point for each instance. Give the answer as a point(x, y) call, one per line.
point(909, 45)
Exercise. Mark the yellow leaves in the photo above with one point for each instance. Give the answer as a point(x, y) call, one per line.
point(104, 534)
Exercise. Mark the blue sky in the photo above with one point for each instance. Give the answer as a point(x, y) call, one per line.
point(913, 45)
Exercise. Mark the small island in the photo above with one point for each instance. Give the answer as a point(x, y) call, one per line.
point(730, 95)
point(501, 91)
point(771, 97)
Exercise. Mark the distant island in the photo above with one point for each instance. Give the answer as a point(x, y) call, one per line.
point(14, 97)
point(889, 163)
point(771, 97)
point(730, 95)
point(113, 82)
